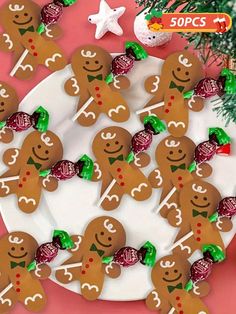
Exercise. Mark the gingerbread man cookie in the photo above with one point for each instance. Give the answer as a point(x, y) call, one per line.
point(8, 104)
point(198, 201)
point(169, 277)
point(20, 20)
point(91, 65)
point(39, 151)
point(180, 73)
point(103, 237)
point(172, 154)
point(111, 146)
point(17, 250)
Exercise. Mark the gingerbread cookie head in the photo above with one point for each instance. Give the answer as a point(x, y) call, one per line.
point(92, 62)
point(182, 69)
point(172, 153)
point(198, 198)
point(8, 101)
point(106, 233)
point(20, 16)
point(17, 249)
point(111, 143)
point(43, 149)
point(170, 272)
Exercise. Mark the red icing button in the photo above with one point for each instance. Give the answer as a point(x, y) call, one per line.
point(18, 290)
point(180, 178)
point(181, 185)
point(122, 184)
point(199, 224)
point(179, 304)
point(18, 282)
point(199, 231)
point(83, 272)
point(98, 95)
point(17, 275)
point(181, 312)
point(24, 179)
point(198, 239)
point(27, 173)
point(177, 298)
point(30, 40)
point(169, 104)
point(172, 97)
point(97, 88)
point(20, 185)
point(100, 103)
point(167, 111)
point(91, 260)
point(120, 176)
point(35, 54)
point(118, 169)
point(32, 47)
point(87, 266)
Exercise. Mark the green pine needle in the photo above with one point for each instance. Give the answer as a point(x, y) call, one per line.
point(226, 109)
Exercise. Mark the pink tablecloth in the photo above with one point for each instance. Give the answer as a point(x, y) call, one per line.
point(78, 31)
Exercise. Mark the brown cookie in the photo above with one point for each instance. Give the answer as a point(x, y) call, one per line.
point(20, 20)
point(91, 65)
point(39, 152)
point(17, 251)
point(111, 146)
point(103, 237)
point(180, 73)
point(169, 277)
point(8, 104)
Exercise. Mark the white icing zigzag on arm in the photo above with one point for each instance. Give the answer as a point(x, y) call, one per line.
point(178, 217)
point(219, 223)
point(8, 41)
point(158, 177)
point(156, 298)
point(136, 161)
point(5, 187)
point(77, 243)
point(111, 197)
point(155, 84)
point(138, 189)
point(75, 85)
point(14, 157)
point(97, 170)
point(37, 270)
point(116, 110)
point(89, 113)
point(2, 131)
point(108, 267)
point(69, 274)
point(116, 83)
point(3, 301)
point(185, 247)
point(27, 200)
point(52, 59)
point(198, 171)
point(191, 100)
point(48, 31)
point(46, 180)
point(25, 67)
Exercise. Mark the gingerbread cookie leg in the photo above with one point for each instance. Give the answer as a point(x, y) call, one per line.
point(27, 68)
point(187, 247)
point(6, 135)
point(7, 188)
point(113, 198)
point(171, 205)
point(7, 298)
point(69, 271)
point(156, 302)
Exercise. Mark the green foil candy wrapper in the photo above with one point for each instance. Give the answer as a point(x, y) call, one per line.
point(43, 119)
point(88, 167)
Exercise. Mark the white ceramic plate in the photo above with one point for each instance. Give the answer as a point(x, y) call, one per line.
point(73, 205)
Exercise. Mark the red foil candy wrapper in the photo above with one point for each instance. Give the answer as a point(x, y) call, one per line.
point(205, 151)
point(128, 256)
point(51, 13)
point(21, 121)
point(208, 87)
point(46, 253)
point(65, 169)
point(201, 269)
point(122, 64)
point(141, 141)
point(227, 207)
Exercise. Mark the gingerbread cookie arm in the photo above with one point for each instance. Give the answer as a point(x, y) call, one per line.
point(155, 301)
point(49, 183)
point(7, 188)
point(90, 115)
point(113, 198)
point(11, 157)
point(52, 32)
point(194, 103)
point(141, 160)
point(156, 179)
point(6, 43)
point(152, 86)
point(120, 82)
point(6, 135)
point(97, 173)
point(41, 272)
point(200, 289)
point(72, 87)
point(202, 171)
point(27, 68)
point(223, 224)
point(112, 270)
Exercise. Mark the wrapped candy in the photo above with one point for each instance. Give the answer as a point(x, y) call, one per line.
point(202, 268)
point(218, 143)
point(226, 208)
point(142, 140)
point(48, 251)
point(128, 256)
point(122, 64)
point(21, 121)
point(208, 87)
point(65, 169)
point(51, 13)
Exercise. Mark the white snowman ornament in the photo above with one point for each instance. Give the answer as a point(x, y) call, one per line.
point(146, 36)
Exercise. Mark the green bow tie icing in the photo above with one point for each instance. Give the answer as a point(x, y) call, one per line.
point(197, 213)
point(92, 78)
point(173, 85)
point(32, 162)
point(14, 264)
point(93, 248)
point(25, 30)
point(172, 288)
point(112, 159)
point(174, 168)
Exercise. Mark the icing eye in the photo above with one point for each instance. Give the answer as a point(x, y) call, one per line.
point(187, 73)
point(178, 69)
point(116, 142)
point(97, 62)
point(87, 62)
point(107, 144)
point(46, 152)
point(22, 249)
point(171, 152)
point(2, 103)
point(166, 273)
point(26, 14)
point(102, 233)
point(109, 239)
point(196, 197)
point(176, 271)
point(205, 198)
point(180, 151)
point(39, 146)
point(16, 16)
point(13, 248)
